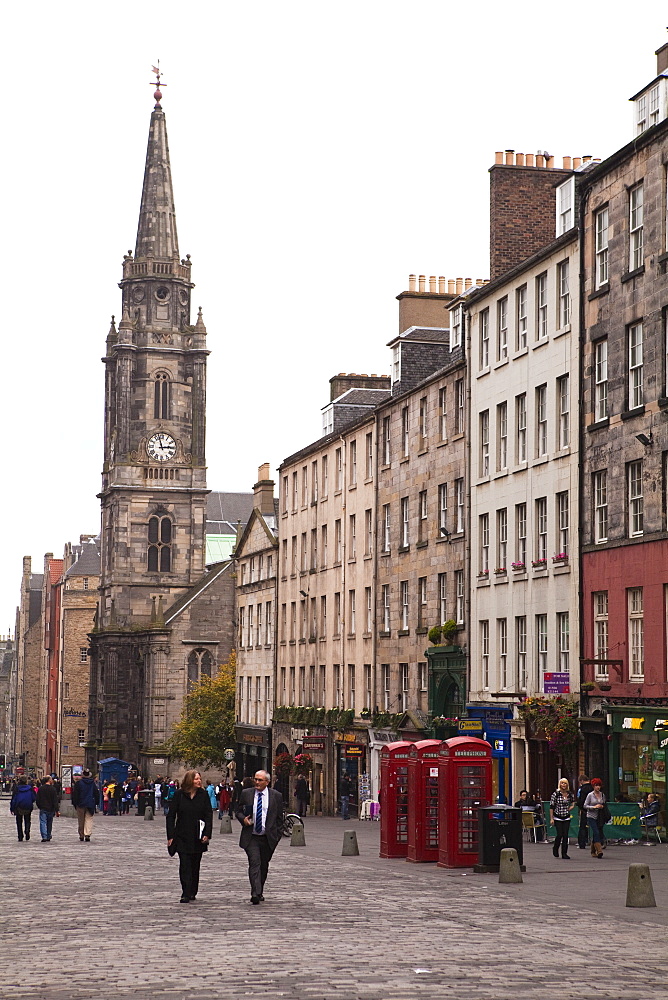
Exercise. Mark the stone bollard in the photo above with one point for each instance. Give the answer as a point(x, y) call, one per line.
point(350, 848)
point(639, 891)
point(148, 814)
point(297, 838)
point(226, 824)
point(509, 866)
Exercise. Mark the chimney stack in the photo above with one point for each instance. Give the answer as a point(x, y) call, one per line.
point(661, 59)
point(263, 491)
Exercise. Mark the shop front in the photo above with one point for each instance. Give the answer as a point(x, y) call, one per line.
point(253, 750)
point(378, 738)
point(638, 752)
point(493, 725)
point(352, 756)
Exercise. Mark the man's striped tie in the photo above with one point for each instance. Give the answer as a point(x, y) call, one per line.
point(258, 813)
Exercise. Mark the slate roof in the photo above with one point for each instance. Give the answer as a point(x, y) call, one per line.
point(224, 510)
point(210, 575)
point(88, 563)
point(361, 397)
point(423, 334)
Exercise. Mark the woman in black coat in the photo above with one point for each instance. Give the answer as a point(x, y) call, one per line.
point(189, 827)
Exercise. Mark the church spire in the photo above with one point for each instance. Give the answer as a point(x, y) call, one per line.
point(156, 233)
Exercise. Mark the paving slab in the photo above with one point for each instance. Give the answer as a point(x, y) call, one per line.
point(101, 920)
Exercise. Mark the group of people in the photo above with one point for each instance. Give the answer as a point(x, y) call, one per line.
point(190, 822)
point(594, 813)
point(45, 795)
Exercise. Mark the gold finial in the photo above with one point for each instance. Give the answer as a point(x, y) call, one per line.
point(156, 83)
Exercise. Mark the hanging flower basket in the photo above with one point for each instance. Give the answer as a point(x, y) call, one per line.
point(283, 763)
point(557, 719)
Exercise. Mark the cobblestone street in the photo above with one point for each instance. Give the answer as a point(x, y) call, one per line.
point(102, 920)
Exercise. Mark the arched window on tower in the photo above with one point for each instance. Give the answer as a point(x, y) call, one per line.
point(200, 663)
point(159, 545)
point(161, 396)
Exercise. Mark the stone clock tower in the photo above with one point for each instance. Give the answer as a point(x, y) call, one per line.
point(153, 480)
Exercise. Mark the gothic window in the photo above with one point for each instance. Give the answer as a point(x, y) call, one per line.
point(161, 396)
point(159, 545)
point(199, 665)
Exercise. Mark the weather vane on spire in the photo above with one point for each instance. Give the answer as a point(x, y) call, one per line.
point(156, 83)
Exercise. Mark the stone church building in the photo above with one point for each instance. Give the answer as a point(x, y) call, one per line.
point(165, 618)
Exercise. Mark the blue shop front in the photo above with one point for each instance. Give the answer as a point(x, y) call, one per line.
point(494, 726)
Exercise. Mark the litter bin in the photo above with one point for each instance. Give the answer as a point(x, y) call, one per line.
point(499, 826)
point(145, 797)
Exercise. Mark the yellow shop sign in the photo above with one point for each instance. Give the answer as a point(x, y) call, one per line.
point(632, 723)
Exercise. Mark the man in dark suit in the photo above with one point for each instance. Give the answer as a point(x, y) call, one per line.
point(584, 789)
point(260, 812)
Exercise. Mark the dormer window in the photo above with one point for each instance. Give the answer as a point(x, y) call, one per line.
point(328, 420)
point(565, 200)
point(456, 327)
point(649, 106)
point(396, 363)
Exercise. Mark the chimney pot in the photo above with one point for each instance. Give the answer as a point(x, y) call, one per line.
point(467, 283)
point(432, 282)
point(441, 286)
point(451, 287)
point(540, 160)
point(510, 157)
point(577, 161)
point(529, 160)
point(567, 162)
point(586, 159)
point(498, 157)
point(459, 285)
point(421, 283)
point(519, 160)
point(549, 161)
point(411, 283)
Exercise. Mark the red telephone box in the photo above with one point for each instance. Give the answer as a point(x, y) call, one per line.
point(465, 772)
point(423, 801)
point(394, 799)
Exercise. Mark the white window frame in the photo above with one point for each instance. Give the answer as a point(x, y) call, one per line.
point(565, 206)
point(484, 443)
point(541, 306)
point(442, 597)
point(387, 524)
point(405, 523)
point(459, 501)
point(404, 431)
point(456, 324)
point(521, 650)
point(541, 647)
point(636, 634)
point(541, 529)
point(521, 318)
point(636, 498)
point(483, 330)
point(600, 492)
point(636, 220)
point(442, 507)
point(502, 538)
point(385, 594)
point(502, 640)
point(396, 363)
point(502, 329)
point(422, 601)
point(564, 304)
point(601, 218)
point(636, 373)
point(521, 427)
point(521, 533)
point(460, 596)
point(541, 421)
point(562, 519)
point(601, 379)
point(563, 639)
point(502, 436)
point(601, 634)
point(460, 409)
point(483, 529)
point(564, 414)
point(387, 439)
point(484, 653)
point(442, 413)
point(403, 590)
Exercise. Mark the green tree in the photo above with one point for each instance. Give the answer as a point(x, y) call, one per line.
point(206, 727)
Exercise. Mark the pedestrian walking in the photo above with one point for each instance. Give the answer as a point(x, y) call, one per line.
point(346, 788)
point(157, 791)
point(594, 805)
point(21, 806)
point(85, 799)
point(302, 794)
point(260, 812)
point(211, 792)
point(189, 827)
point(583, 791)
point(47, 802)
point(562, 804)
point(224, 799)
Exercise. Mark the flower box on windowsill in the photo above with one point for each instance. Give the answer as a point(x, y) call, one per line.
point(560, 560)
point(483, 574)
point(519, 567)
point(500, 571)
point(539, 564)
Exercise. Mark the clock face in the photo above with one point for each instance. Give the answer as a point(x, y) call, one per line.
point(161, 447)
